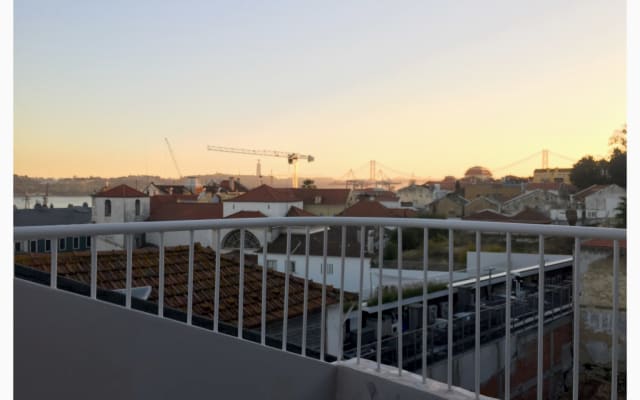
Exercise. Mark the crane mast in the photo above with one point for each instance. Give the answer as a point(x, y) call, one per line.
point(292, 158)
point(173, 157)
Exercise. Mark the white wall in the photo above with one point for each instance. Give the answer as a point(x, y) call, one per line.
point(603, 203)
point(122, 210)
point(351, 276)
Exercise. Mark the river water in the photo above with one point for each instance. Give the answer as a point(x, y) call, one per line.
point(57, 201)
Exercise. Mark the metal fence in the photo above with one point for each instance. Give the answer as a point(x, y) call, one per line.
point(451, 226)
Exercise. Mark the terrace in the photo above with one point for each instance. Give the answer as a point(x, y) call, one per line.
point(240, 336)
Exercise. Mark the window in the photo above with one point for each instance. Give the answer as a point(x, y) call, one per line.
point(272, 264)
point(76, 242)
point(329, 269)
point(33, 246)
point(107, 208)
point(17, 247)
point(88, 241)
point(232, 240)
point(62, 245)
point(291, 267)
point(137, 206)
point(47, 245)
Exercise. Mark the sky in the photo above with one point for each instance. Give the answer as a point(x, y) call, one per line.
point(425, 88)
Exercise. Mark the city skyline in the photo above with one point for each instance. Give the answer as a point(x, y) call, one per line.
point(428, 89)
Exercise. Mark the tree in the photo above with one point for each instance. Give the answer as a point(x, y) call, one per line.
point(588, 171)
point(618, 158)
point(308, 184)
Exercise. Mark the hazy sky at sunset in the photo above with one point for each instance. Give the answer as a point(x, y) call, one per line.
point(425, 87)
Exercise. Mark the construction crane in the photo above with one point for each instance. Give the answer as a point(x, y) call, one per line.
point(173, 157)
point(292, 158)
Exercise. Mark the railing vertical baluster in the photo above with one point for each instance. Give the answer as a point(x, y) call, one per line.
point(287, 270)
point(129, 242)
point(241, 285)
point(190, 280)
point(614, 322)
point(305, 300)
point(477, 319)
point(343, 250)
point(161, 276)
point(54, 263)
point(323, 317)
point(425, 302)
point(507, 335)
point(399, 301)
point(380, 260)
point(540, 374)
point(263, 304)
point(450, 315)
point(360, 299)
point(94, 268)
point(576, 319)
point(216, 289)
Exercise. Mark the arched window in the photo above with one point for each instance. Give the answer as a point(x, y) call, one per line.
point(232, 240)
point(107, 208)
point(137, 206)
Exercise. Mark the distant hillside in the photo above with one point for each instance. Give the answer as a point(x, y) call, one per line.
point(84, 186)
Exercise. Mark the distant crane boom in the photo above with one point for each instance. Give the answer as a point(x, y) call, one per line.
point(292, 158)
point(173, 157)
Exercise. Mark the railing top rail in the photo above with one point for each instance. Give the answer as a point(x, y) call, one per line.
point(55, 231)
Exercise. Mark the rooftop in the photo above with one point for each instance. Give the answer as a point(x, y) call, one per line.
point(120, 191)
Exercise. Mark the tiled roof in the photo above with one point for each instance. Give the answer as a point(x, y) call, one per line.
point(52, 216)
point(327, 196)
point(366, 208)
point(379, 195)
point(163, 210)
point(487, 215)
point(550, 186)
point(247, 214)
point(581, 195)
point(298, 212)
point(120, 191)
point(267, 194)
point(603, 243)
point(112, 275)
point(173, 189)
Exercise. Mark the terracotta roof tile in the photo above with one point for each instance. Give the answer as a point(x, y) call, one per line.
point(112, 275)
point(172, 211)
point(120, 191)
point(267, 194)
point(366, 208)
point(247, 214)
point(326, 196)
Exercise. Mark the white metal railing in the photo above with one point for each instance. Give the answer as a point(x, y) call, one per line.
point(542, 231)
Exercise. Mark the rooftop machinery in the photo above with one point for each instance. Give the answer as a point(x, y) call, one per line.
point(292, 158)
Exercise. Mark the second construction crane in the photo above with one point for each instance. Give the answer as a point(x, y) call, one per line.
point(292, 158)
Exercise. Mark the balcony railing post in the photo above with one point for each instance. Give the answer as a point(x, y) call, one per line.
point(399, 301)
point(425, 303)
point(343, 249)
point(129, 243)
point(614, 322)
point(216, 288)
point(263, 301)
point(360, 299)
point(94, 268)
point(507, 334)
point(540, 373)
point(287, 271)
point(190, 280)
point(576, 320)
point(305, 298)
point(450, 315)
point(323, 317)
point(54, 263)
point(241, 285)
point(161, 276)
point(477, 318)
point(380, 267)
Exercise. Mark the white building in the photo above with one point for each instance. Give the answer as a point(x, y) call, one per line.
point(599, 202)
point(119, 204)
